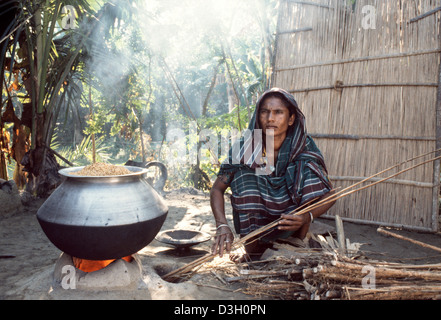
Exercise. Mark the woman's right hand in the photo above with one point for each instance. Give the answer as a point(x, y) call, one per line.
point(224, 235)
point(223, 240)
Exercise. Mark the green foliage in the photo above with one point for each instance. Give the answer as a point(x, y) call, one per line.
point(121, 51)
point(81, 155)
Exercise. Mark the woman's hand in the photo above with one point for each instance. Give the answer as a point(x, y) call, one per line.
point(224, 236)
point(223, 240)
point(291, 222)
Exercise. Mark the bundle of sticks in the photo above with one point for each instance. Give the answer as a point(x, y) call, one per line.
point(329, 275)
point(186, 271)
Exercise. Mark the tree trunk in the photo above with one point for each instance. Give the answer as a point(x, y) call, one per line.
point(233, 100)
point(200, 180)
point(4, 145)
point(91, 118)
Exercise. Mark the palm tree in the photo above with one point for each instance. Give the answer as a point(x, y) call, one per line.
point(45, 58)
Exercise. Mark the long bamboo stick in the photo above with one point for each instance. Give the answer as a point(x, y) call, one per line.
point(335, 197)
point(176, 274)
point(388, 169)
point(422, 244)
point(189, 267)
point(364, 85)
point(360, 59)
point(377, 174)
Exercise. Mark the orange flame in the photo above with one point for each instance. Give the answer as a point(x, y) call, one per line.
point(95, 265)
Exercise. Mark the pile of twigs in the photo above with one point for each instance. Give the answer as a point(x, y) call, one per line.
point(329, 275)
point(187, 270)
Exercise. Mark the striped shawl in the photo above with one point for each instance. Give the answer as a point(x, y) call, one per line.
point(299, 175)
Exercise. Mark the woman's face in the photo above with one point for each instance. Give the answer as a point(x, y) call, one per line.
point(274, 118)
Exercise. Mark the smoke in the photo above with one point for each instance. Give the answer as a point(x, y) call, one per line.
point(186, 34)
point(183, 33)
point(179, 29)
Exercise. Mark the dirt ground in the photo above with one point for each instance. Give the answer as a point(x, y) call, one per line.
point(27, 257)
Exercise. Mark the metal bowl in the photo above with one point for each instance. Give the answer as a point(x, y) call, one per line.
point(182, 239)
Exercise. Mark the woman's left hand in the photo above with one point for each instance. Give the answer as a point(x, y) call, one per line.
point(290, 222)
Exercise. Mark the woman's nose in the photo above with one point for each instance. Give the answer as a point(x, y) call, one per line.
point(271, 116)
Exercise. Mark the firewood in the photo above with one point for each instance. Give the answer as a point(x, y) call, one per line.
point(395, 293)
point(280, 286)
point(340, 233)
point(245, 278)
point(263, 272)
point(332, 294)
point(387, 273)
point(422, 244)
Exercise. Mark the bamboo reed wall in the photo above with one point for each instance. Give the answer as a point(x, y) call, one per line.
point(369, 97)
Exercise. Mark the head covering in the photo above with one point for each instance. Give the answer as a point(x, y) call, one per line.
point(259, 194)
point(251, 152)
point(288, 98)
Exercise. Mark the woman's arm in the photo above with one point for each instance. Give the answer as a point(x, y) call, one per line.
point(224, 235)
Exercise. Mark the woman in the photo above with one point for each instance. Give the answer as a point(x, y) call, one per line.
point(271, 172)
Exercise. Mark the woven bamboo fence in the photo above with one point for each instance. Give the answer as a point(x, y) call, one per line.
point(366, 75)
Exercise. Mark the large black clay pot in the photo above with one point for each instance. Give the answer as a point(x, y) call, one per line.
point(100, 218)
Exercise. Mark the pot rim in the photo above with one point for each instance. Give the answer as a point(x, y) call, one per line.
point(136, 171)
